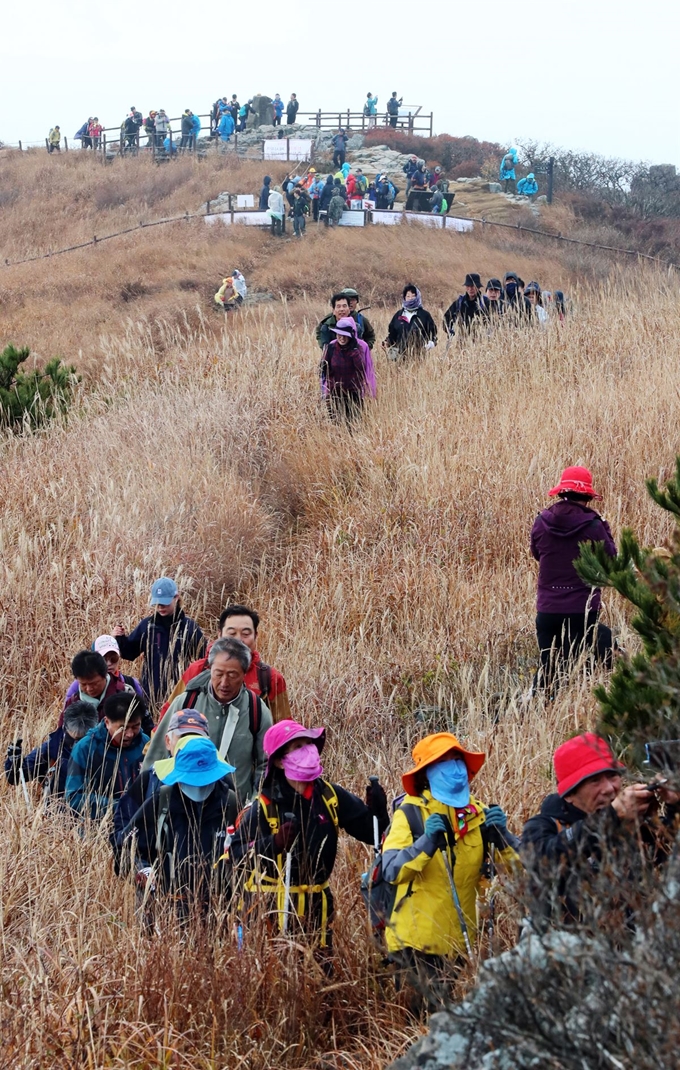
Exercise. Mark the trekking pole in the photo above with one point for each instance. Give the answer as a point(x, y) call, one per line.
point(376, 826)
point(286, 884)
point(456, 902)
point(22, 779)
point(491, 921)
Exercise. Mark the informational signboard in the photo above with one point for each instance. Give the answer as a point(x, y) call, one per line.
point(253, 219)
point(353, 219)
point(424, 219)
point(463, 225)
point(245, 200)
point(287, 148)
point(388, 218)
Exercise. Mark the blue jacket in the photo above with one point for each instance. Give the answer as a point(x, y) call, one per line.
point(340, 142)
point(264, 193)
point(48, 763)
point(168, 644)
point(99, 773)
point(196, 123)
point(278, 108)
point(82, 132)
point(527, 186)
point(316, 186)
point(508, 163)
point(226, 127)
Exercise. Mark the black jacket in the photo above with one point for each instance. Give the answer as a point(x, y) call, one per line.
point(168, 644)
point(465, 311)
point(292, 110)
point(326, 194)
point(413, 334)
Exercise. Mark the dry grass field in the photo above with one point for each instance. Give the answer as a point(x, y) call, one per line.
point(390, 566)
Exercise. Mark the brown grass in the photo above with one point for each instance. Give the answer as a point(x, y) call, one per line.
point(390, 568)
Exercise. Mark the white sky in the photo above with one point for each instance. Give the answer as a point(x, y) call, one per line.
point(599, 76)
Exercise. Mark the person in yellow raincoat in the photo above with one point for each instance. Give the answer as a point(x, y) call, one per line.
point(232, 292)
point(436, 853)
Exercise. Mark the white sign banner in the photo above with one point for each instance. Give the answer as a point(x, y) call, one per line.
point(245, 200)
point(221, 217)
point(293, 148)
point(424, 219)
point(463, 225)
point(352, 219)
point(389, 218)
point(253, 219)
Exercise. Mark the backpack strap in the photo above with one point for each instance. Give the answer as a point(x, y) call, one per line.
point(190, 698)
point(330, 798)
point(254, 719)
point(163, 808)
point(414, 817)
point(264, 679)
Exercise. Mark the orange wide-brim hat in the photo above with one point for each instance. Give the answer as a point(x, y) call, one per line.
point(432, 749)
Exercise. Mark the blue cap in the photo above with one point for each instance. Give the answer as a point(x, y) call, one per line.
point(163, 591)
point(197, 763)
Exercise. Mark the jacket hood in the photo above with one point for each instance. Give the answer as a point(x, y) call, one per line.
point(266, 180)
point(559, 809)
point(567, 518)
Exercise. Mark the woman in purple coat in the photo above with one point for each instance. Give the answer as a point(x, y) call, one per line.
point(347, 372)
point(567, 608)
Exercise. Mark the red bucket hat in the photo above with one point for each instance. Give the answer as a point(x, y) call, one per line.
point(577, 479)
point(580, 758)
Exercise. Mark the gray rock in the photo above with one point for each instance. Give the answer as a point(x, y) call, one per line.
point(495, 187)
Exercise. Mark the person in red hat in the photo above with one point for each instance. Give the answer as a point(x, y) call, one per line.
point(591, 824)
point(435, 853)
point(567, 609)
point(288, 836)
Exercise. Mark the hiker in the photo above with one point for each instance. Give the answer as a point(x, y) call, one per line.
point(82, 135)
point(337, 206)
point(187, 131)
point(315, 189)
point(243, 113)
point(167, 639)
point(533, 295)
point(292, 109)
point(107, 646)
point(277, 105)
point(344, 303)
point(347, 373)
point(297, 815)
point(129, 131)
point(94, 682)
point(264, 193)
point(528, 187)
point(371, 110)
point(54, 140)
point(468, 309)
point(49, 762)
point(385, 192)
point(325, 197)
point(233, 291)
point(507, 170)
point(226, 126)
point(105, 762)
point(593, 839)
point(409, 169)
point(495, 302)
point(234, 108)
point(196, 131)
point(393, 105)
point(178, 835)
point(237, 718)
point(276, 209)
point(241, 622)
point(412, 328)
point(161, 127)
point(150, 128)
point(437, 202)
point(95, 131)
point(436, 853)
point(516, 302)
point(419, 177)
point(567, 609)
point(339, 145)
point(301, 203)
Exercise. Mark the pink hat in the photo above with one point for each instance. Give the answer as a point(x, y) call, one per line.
point(106, 644)
point(577, 479)
point(580, 758)
point(276, 737)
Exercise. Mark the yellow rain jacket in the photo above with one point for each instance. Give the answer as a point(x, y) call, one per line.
point(424, 915)
point(226, 295)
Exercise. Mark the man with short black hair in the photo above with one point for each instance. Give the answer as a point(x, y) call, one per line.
point(241, 622)
point(393, 108)
point(106, 761)
point(49, 762)
point(344, 303)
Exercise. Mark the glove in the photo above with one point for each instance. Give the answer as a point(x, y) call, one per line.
point(495, 818)
point(429, 345)
point(376, 799)
point(436, 829)
point(283, 839)
point(144, 878)
point(14, 754)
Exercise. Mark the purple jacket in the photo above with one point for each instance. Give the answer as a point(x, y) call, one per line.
point(555, 543)
point(366, 384)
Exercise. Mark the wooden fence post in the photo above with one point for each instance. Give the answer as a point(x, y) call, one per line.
point(65, 144)
point(318, 119)
point(20, 148)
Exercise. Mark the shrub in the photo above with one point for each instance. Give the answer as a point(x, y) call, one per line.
point(35, 395)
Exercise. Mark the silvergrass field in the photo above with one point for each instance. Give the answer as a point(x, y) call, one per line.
point(390, 566)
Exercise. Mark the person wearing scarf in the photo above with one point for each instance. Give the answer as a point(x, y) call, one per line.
point(412, 329)
point(297, 815)
point(448, 831)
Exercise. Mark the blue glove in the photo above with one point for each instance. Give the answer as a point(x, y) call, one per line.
point(434, 825)
point(495, 818)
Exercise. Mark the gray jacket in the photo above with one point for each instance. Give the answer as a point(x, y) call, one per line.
point(229, 731)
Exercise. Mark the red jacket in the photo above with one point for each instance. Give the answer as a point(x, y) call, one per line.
point(255, 680)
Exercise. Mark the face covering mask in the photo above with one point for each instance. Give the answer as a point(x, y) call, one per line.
point(197, 793)
point(303, 764)
point(90, 698)
point(449, 782)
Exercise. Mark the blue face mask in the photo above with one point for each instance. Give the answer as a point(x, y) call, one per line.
point(197, 793)
point(449, 782)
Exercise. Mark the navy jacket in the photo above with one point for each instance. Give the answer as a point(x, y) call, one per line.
point(264, 193)
point(168, 645)
point(48, 763)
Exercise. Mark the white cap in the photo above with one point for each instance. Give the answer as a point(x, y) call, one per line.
point(105, 644)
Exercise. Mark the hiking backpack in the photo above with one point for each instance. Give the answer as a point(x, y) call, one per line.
point(254, 712)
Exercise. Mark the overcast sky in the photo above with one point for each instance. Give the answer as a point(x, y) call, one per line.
point(598, 76)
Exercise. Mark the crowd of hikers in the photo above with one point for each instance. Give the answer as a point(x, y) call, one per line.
point(216, 798)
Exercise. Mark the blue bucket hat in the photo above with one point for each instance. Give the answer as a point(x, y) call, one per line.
point(163, 591)
point(197, 764)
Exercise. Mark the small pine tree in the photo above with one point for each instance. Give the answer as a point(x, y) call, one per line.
point(35, 395)
point(642, 702)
